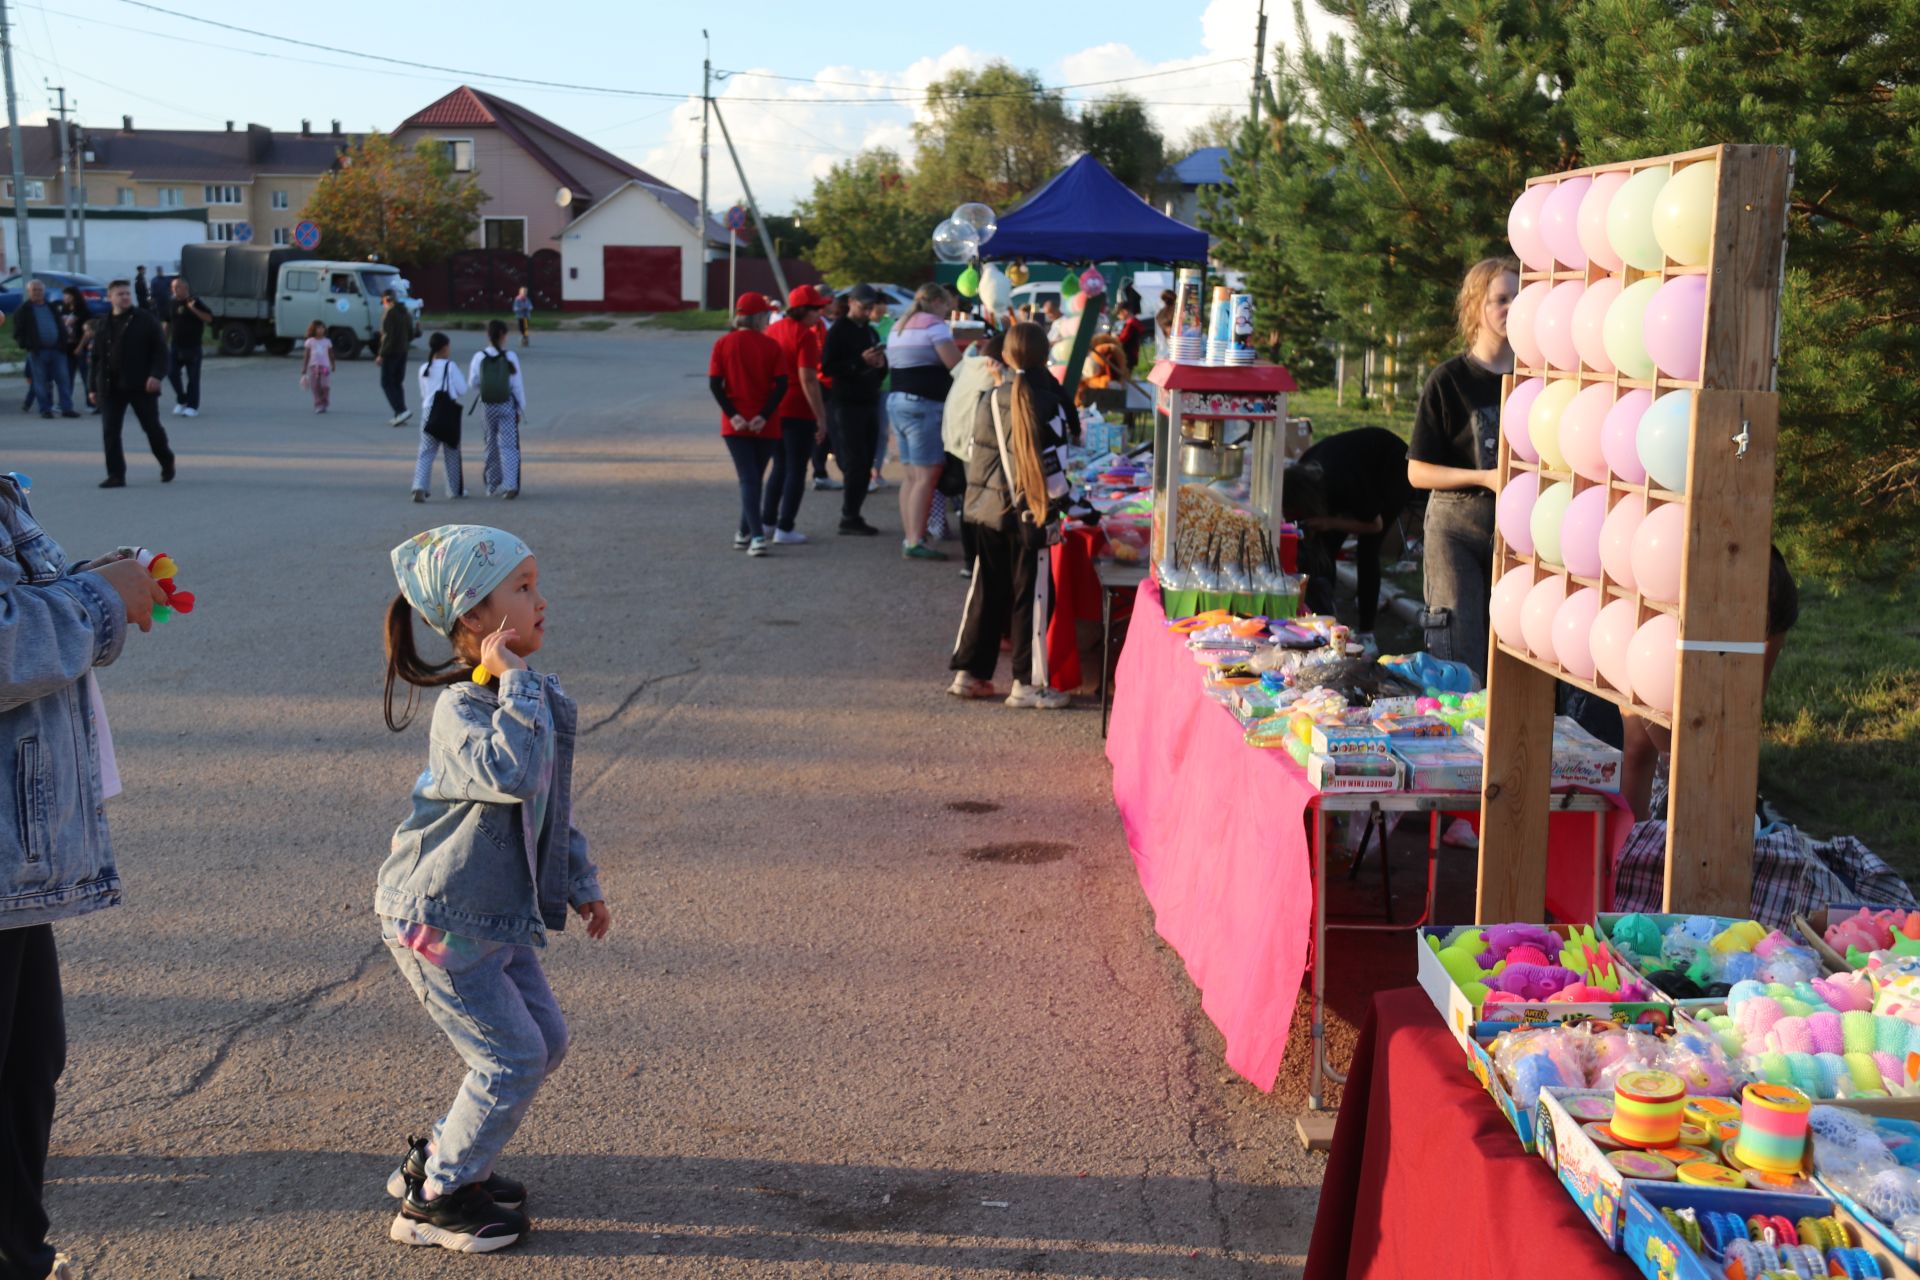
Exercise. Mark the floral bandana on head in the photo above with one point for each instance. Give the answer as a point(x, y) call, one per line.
point(446, 571)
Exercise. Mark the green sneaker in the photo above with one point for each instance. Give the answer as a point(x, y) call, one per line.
point(920, 551)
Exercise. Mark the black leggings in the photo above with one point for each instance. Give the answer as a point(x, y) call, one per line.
point(1012, 588)
point(788, 483)
point(33, 1052)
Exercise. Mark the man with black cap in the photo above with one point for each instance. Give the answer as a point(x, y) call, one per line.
point(856, 361)
point(803, 414)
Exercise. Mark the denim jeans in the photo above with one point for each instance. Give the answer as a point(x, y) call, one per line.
point(916, 426)
point(48, 370)
point(494, 1004)
point(183, 370)
point(781, 503)
point(1458, 569)
point(750, 455)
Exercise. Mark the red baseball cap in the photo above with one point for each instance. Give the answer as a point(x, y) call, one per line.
point(807, 296)
point(752, 304)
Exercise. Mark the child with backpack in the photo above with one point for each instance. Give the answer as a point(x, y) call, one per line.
point(483, 869)
point(503, 396)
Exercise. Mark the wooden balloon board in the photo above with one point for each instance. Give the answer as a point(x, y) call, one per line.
point(1721, 611)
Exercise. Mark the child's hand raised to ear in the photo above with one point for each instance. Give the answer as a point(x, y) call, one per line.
point(599, 919)
point(496, 657)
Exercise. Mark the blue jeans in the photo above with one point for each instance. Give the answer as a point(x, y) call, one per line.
point(1458, 572)
point(750, 455)
point(781, 503)
point(183, 370)
point(916, 426)
point(494, 1004)
point(48, 369)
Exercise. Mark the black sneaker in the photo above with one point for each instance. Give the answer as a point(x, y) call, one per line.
point(112, 483)
point(506, 1193)
point(166, 474)
point(858, 526)
point(465, 1221)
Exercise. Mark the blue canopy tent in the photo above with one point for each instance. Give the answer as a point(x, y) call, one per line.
point(1085, 214)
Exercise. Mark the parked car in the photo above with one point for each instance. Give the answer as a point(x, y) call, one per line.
point(266, 295)
point(898, 297)
point(13, 290)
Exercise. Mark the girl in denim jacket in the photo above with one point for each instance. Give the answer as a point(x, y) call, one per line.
point(57, 623)
point(488, 861)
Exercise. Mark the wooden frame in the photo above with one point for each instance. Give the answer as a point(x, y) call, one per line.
point(1721, 611)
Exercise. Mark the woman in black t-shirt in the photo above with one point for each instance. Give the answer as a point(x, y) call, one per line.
point(1455, 453)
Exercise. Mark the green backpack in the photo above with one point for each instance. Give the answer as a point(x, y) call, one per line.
point(496, 378)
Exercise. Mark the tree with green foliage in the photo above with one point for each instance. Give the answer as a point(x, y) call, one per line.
point(1839, 82)
point(865, 224)
point(395, 204)
point(1118, 132)
point(993, 135)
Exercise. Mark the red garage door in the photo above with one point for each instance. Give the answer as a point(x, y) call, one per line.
point(641, 277)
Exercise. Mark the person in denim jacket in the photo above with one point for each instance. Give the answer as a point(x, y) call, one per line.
point(484, 866)
point(57, 623)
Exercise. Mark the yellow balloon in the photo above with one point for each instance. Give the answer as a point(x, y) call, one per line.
point(1683, 214)
point(1543, 420)
point(1630, 219)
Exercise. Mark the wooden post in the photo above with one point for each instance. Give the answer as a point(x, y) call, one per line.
point(1514, 791)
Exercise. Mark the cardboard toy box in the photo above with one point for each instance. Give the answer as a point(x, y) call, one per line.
point(1340, 740)
point(1696, 1005)
point(1371, 771)
point(1882, 1235)
point(1660, 1252)
point(1439, 764)
point(1579, 758)
point(1813, 927)
point(1595, 1184)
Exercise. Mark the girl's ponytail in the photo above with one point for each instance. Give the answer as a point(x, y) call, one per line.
point(404, 663)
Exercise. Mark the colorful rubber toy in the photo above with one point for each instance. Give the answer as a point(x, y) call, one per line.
point(161, 567)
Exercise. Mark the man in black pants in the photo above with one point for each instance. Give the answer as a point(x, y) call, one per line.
point(129, 359)
point(187, 321)
point(33, 1053)
point(396, 335)
point(1350, 484)
point(856, 362)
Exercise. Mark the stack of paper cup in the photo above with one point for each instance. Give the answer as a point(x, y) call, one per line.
point(1220, 326)
point(1240, 335)
point(1188, 339)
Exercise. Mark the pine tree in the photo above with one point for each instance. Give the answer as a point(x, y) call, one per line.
point(1836, 81)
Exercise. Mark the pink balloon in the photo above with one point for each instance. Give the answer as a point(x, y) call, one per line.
point(1611, 637)
point(1536, 615)
point(1656, 552)
point(1560, 222)
point(1572, 631)
point(1593, 221)
point(1524, 229)
point(1580, 532)
point(1520, 325)
point(1513, 418)
point(1580, 425)
point(1616, 539)
point(1513, 510)
point(1652, 662)
point(1553, 328)
point(1620, 434)
point(1590, 323)
point(1675, 322)
point(1507, 604)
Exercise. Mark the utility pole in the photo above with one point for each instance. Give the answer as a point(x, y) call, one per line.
point(66, 177)
point(80, 184)
point(23, 250)
point(760, 223)
point(706, 100)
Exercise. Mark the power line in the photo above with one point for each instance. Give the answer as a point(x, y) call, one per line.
point(1008, 93)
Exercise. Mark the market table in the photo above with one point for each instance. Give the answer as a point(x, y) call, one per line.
point(1426, 1177)
point(1219, 833)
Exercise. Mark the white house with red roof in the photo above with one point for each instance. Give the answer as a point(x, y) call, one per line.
point(627, 240)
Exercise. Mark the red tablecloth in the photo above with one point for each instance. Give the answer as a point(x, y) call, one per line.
point(1076, 599)
point(1426, 1178)
point(1218, 839)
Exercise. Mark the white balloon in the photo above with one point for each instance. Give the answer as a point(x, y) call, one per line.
point(979, 217)
point(955, 241)
point(996, 291)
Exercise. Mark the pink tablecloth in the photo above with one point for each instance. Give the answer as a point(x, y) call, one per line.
point(1218, 838)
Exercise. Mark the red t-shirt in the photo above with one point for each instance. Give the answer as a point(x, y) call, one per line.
point(746, 362)
point(799, 349)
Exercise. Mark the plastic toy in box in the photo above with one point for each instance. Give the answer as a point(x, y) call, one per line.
point(1128, 536)
point(1865, 1153)
point(1697, 959)
point(1347, 739)
point(1353, 771)
point(1527, 973)
point(1439, 764)
point(1665, 1230)
point(1400, 727)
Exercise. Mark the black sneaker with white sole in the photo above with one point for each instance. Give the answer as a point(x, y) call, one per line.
point(506, 1193)
point(464, 1221)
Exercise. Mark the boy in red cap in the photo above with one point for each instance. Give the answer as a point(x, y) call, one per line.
point(745, 378)
point(802, 413)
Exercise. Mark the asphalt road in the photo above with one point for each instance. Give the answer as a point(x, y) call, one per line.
point(882, 996)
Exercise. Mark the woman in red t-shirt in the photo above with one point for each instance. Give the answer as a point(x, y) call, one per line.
point(744, 375)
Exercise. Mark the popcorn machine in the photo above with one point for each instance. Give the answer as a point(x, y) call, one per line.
point(1219, 462)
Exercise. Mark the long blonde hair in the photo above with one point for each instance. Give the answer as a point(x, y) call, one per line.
point(1467, 308)
point(932, 298)
point(1025, 356)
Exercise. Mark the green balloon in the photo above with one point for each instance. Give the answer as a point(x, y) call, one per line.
point(1549, 509)
point(1068, 285)
point(1630, 219)
point(969, 283)
point(1621, 333)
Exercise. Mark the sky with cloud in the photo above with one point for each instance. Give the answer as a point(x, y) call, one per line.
point(809, 84)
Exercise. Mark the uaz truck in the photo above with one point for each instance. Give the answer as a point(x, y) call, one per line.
point(260, 295)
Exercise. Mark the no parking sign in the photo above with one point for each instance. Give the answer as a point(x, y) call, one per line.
point(243, 231)
point(306, 235)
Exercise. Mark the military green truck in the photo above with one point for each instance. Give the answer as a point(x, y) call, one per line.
point(266, 296)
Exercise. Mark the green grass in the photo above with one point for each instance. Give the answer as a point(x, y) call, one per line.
point(1330, 419)
point(692, 321)
point(445, 320)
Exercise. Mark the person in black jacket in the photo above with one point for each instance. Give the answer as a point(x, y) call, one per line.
point(854, 364)
point(38, 331)
point(129, 359)
point(1351, 483)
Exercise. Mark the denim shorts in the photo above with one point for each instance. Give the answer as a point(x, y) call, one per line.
point(916, 425)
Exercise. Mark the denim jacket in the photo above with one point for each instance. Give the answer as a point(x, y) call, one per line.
point(55, 627)
point(472, 858)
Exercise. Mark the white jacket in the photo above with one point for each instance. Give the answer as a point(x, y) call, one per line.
point(513, 362)
point(430, 374)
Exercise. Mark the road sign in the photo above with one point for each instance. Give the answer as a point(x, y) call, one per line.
point(737, 218)
point(243, 231)
point(306, 235)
